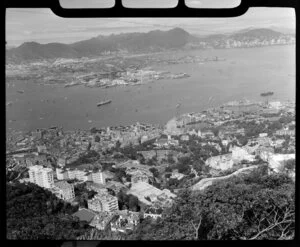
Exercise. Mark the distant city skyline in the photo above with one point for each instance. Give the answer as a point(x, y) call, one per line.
point(43, 26)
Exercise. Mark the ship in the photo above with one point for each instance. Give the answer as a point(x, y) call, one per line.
point(104, 102)
point(20, 91)
point(267, 94)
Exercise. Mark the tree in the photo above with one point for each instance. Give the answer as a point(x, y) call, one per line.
point(97, 138)
point(253, 206)
point(154, 172)
point(120, 174)
point(133, 203)
point(170, 159)
point(151, 162)
point(34, 213)
point(168, 169)
point(290, 164)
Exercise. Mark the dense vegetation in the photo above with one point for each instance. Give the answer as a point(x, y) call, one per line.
point(253, 207)
point(88, 157)
point(34, 213)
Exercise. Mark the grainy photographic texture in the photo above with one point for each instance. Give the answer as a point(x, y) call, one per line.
point(150, 128)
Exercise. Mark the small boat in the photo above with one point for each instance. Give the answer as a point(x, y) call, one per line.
point(20, 91)
point(9, 103)
point(103, 103)
point(90, 121)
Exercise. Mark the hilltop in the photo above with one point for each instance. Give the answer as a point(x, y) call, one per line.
point(153, 41)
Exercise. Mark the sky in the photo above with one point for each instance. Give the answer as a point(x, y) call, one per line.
point(43, 26)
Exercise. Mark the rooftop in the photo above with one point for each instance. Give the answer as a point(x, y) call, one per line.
point(85, 215)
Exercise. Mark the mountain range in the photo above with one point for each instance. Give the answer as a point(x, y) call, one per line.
point(152, 41)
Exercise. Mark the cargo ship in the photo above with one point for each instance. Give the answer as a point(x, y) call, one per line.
point(267, 94)
point(104, 102)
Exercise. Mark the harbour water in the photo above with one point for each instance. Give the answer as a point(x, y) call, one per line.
point(245, 74)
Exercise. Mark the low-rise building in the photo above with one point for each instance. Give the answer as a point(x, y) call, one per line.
point(97, 177)
point(126, 220)
point(103, 203)
point(239, 154)
point(144, 191)
point(139, 176)
point(153, 213)
point(263, 134)
point(285, 132)
point(276, 161)
point(64, 190)
point(102, 220)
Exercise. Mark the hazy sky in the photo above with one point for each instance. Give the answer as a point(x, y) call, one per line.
point(42, 25)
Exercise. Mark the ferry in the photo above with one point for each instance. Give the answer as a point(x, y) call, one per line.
point(267, 94)
point(104, 102)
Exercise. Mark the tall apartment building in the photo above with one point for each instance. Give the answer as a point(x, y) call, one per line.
point(103, 203)
point(41, 176)
point(64, 190)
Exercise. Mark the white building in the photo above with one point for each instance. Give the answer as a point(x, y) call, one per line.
point(41, 176)
point(64, 190)
point(239, 154)
point(60, 174)
point(275, 104)
point(277, 160)
point(103, 203)
point(263, 134)
point(97, 177)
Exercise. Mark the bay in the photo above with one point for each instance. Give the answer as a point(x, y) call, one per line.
point(244, 74)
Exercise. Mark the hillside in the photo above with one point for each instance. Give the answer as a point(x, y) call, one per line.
point(152, 41)
point(132, 42)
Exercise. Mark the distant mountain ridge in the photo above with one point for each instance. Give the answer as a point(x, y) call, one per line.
point(152, 41)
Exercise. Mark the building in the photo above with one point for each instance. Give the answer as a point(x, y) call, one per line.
point(239, 154)
point(41, 176)
point(103, 203)
point(220, 162)
point(61, 174)
point(42, 149)
point(102, 220)
point(263, 134)
point(64, 190)
point(126, 220)
point(177, 175)
point(276, 161)
point(148, 194)
point(85, 214)
point(285, 132)
point(97, 177)
point(184, 138)
point(61, 162)
point(139, 176)
point(153, 213)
